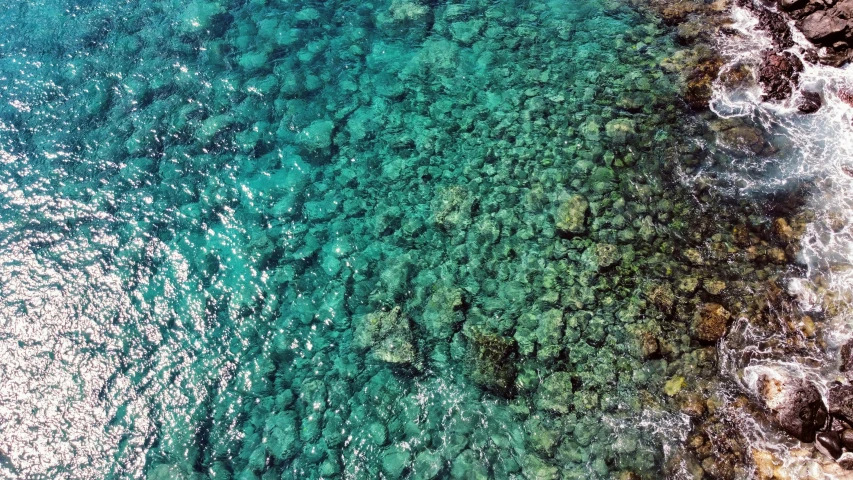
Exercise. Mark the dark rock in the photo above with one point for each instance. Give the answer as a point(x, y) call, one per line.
point(847, 357)
point(710, 321)
point(774, 23)
point(788, 5)
point(779, 74)
point(840, 401)
point(829, 444)
point(797, 404)
point(809, 102)
point(491, 361)
point(803, 413)
point(847, 439)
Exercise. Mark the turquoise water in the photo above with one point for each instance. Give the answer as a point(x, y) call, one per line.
point(274, 239)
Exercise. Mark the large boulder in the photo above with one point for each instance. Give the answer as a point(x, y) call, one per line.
point(823, 26)
point(798, 407)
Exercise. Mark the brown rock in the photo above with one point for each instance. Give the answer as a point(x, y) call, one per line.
point(710, 321)
point(651, 348)
point(782, 230)
point(779, 75)
point(810, 102)
point(693, 405)
point(829, 444)
point(822, 27)
point(700, 82)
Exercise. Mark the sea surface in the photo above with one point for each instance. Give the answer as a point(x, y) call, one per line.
point(275, 239)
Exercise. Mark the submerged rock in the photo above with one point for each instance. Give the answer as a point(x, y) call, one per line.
point(451, 207)
point(736, 134)
point(388, 335)
point(710, 322)
point(571, 215)
point(491, 361)
point(555, 393)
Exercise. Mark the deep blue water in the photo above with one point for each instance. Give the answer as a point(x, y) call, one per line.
point(273, 239)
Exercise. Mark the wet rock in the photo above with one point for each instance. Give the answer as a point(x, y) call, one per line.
point(782, 230)
point(829, 444)
point(491, 361)
point(693, 405)
point(673, 386)
point(847, 357)
point(601, 256)
point(839, 400)
point(713, 286)
point(549, 334)
point(768, 466)
point(571, 215)
point(797, 404)
point(775, 24)
point(846, 96)
point(710, 321)
point(427, 465)
point(847, 439)
point(316, 136)
point(443, 311)
point(650, 346)
point(700, 81)
point(779, 75)
point(394, 460)
point(810, 102)
point(620, 130)
point(788, 5)
point(823, 26)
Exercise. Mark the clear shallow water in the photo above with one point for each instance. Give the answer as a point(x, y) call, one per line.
point(211, 213)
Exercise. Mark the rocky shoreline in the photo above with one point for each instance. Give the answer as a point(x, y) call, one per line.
point(719, 446)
